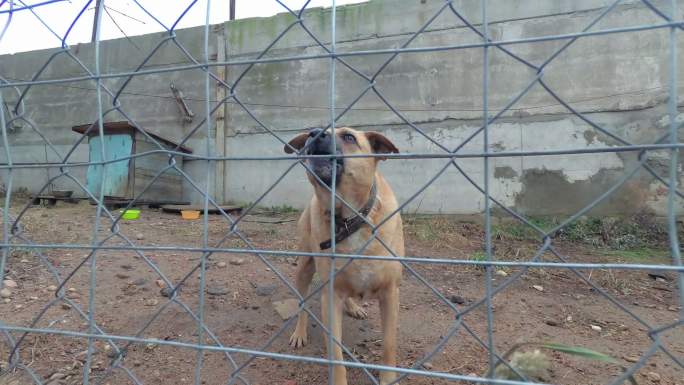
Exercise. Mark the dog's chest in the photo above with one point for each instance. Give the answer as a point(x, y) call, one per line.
point(364, 278)
point(357, 240)
point(364, 281)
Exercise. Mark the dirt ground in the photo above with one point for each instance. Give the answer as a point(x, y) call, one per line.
point(544, 305)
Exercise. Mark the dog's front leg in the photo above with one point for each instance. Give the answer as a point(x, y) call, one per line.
point(389, 311)
point(334, 325)
point(305, 271)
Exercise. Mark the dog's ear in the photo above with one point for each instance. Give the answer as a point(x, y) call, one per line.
point(296, 143)
point(380, 144)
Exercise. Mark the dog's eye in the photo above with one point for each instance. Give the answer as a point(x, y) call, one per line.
point(349, 138)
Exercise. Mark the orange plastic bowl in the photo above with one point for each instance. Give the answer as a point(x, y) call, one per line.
point(190, 214)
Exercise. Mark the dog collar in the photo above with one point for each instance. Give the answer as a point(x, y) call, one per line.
point(345, 227)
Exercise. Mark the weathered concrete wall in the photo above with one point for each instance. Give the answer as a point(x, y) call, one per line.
point(147, 100)
point(620, 81)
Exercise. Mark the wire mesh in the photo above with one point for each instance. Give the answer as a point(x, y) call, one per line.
point(15, 236)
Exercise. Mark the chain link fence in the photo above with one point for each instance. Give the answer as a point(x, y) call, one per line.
point(15, 238)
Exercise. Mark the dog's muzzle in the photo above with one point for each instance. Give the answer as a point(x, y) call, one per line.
point(320, 143)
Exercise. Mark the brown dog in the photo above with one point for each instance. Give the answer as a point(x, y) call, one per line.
point(360, 185)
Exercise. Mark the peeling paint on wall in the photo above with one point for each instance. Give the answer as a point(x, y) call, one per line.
point(505, 172)
point(552, 193)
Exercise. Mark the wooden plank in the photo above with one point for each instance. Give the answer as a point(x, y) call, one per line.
point(220, 175)
point(212, 209)
point(124, 127)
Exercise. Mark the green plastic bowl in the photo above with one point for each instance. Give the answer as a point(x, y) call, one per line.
point(131, 214)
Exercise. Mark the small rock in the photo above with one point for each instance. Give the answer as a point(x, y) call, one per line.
point(501, 273)
point(5, 293)
point(538, 288)
point(33, 298)
point(8, 283)
point(18, 307)
point(266, 290)
point(427, 366)
point(237, 261)
point(287, 308)
point(72, 290)
point(551, 322)
point(221, 264)
point(216, 290)
point(139, 236)
point(166, 292)
point(653, 376)
point(81, 356)
point(24, 260)
point(151, 302)
point(661, 280)
point(596, 328)
point(568, 318)
point(457, 299)
point(73, 295)
point(140, 282)
point(66, 306)
point(631, 358)
point(127, 267)
point(6, 300)
point(122, 276)
point(52, 288)
point(57, 376)
point(672, 308)
point(160, 283)
point(657, 275)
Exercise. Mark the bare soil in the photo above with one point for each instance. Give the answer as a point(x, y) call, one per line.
point(242, 288)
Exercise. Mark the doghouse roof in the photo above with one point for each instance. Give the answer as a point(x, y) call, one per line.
point(125, 128)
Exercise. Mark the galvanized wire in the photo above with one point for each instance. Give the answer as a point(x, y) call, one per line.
point(15, 236)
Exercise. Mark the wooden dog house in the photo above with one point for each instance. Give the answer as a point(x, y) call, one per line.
point(126, 179)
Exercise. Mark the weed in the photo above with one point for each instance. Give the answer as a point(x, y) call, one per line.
point(535, 364)
point(520, 231)
point(19, 194)
point(634, 233)
point(478, 256)
point(644, 254)
point(444, 229)
point(283, 209)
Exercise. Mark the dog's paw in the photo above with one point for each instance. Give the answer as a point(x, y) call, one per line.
point(387, 378)
point(355, 311)
point(297, 340)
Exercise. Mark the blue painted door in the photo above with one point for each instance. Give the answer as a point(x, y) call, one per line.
point(116, 173)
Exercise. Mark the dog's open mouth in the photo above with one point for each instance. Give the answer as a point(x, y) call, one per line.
point(323, 168)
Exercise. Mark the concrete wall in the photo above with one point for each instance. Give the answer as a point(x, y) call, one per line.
point(620, 81)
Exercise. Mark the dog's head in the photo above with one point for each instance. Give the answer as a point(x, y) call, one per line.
point(350, 171)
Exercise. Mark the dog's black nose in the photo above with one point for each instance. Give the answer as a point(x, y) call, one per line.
point(319, 142)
